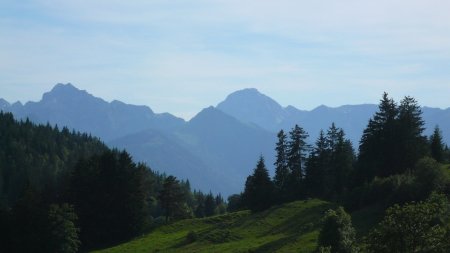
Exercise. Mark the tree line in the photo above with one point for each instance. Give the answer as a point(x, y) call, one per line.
point(396, 167)
point(64, 191)
point(389, 160)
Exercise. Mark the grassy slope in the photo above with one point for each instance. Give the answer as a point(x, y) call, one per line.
point(291, 227)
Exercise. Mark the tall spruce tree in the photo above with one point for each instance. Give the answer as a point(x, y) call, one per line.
point(392, 142)
point(329, 164)
point(437, 147)
point(411, 144)
point(171, 197)
point(281, 167)
point(297, 151)
point(341, 164)
point(110, 196)
point(377, 151)
point(258, 188)
point(210, 205)
point(316, 167)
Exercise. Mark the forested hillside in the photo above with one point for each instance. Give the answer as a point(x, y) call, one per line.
point(62, 191)
point(397, 168)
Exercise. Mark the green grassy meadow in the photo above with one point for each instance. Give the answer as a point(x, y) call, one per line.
point(292, 227)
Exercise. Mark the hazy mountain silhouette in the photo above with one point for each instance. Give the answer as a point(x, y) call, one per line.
point(218, 147)
point(66, 105)
point(252, 107)
point(249, 105)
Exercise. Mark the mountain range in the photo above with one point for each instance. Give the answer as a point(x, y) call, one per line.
point(218, 147)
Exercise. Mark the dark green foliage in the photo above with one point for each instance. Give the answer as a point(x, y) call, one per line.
point(40, 156)
point(412, 145)
point(109, 193)
point(43, 168)
point(437, 147)
point(414, 227)
point(377, 149)
point(258, 191)
point(31, 226)
point(392, 142)
point(317, 166)
point(235, 203)
point(281, 177)
point(191, 237)
point(337, 233)
point(28, 227)
point(63, 232)
point(171, 197)
point(428, 176)
point(210, 205)
point(297, 149)
point(199, 211)
point(329, 164)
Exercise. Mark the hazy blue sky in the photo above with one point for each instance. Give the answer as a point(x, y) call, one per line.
point(183, 55)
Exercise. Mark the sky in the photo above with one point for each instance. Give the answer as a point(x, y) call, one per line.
point(180, 56)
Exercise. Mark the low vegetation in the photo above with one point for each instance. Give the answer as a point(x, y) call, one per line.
point(292, 227)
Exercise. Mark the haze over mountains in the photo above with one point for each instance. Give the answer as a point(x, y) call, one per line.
point(218, 147)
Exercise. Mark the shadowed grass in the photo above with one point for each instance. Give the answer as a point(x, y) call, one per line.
point(292, 227)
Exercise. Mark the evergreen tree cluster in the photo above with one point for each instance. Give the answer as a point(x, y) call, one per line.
point(63, 191)
point(38, 156)
point(387, 169)
point(393, 141)
point(301, 171)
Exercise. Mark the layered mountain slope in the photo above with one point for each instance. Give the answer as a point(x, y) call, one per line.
point(213, 150)
point(252, 107)
point(249, 105)
point(65, 105)
point(218, 148)
point(227, 145)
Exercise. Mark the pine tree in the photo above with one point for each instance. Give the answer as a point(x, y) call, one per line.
point(329, 164)
point(281, 168)
point(436, 145)
point(341, 164)
point(411, 144)
point(200, 205)
point(110, 194)
point(258, 188)
point(171, 196)
point(316, 167)
point(392, 142)
point(377, 151)
point(210, 205)
point(297, 151)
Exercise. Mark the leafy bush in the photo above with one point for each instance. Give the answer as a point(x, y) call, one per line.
point(414, 227)
point(337, 232)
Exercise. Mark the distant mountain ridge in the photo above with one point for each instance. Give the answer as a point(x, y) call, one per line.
point(218, 147)
point(66, 105)
point(252, 107)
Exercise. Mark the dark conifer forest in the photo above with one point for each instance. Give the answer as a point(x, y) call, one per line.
point(65, 191)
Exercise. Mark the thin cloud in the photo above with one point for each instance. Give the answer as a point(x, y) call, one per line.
point(302, 52)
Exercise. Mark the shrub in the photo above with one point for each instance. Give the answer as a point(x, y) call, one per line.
point(337, 233)
point(191, 237)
